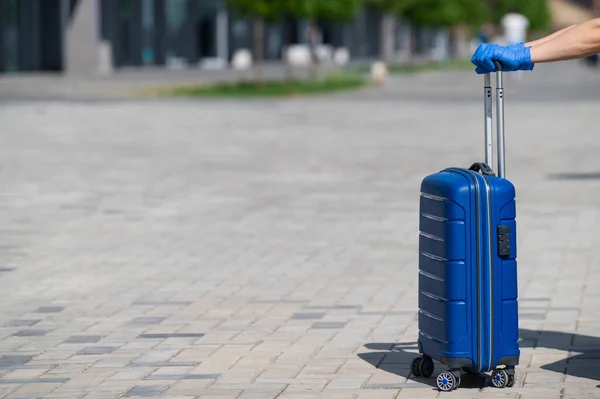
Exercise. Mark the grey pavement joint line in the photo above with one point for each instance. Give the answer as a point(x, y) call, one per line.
point(182, 377)
point(171, 335)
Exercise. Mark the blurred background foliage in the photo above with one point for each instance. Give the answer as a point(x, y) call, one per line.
point(435, 13)
point(453, 20)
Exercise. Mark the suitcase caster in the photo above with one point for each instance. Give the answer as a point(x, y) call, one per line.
point(422, 366)
point(415, 366)
point(511, 376)
point(511, 381)
point(501, 379)
point(447, 381)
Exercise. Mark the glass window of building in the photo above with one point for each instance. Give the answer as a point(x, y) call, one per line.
point(10, 35)
point(148, 32)
point(125, 55)
point(177, 16)
point(207, 28)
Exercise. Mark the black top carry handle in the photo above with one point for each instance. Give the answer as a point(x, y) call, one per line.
point(482, 167)
point(487, 90)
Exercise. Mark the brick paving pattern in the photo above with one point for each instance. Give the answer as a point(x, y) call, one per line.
point(268, 249)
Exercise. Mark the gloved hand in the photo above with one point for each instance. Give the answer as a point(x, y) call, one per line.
point(512, 58)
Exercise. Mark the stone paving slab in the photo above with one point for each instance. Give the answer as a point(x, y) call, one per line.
point(267, 249)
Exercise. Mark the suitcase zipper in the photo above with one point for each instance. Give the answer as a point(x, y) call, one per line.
point(478, 268)
point(491, 271)
point(478, 265)
point(480, 273)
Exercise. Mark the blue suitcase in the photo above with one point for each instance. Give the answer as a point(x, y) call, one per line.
point(468, 313)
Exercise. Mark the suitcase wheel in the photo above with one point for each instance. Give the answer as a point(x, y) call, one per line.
point(511, 381)
point(415, 366)
point(426, 367)
point(501, 379)
point(422, 366)
point(447, 381)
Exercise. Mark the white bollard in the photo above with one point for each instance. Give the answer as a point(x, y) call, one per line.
point(324, 53)
point(379, 72)
point(241, 60)
point(341, 56)
point(298, 56)
point(105, 59)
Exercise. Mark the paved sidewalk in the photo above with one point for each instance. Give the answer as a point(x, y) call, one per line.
point(268, 249)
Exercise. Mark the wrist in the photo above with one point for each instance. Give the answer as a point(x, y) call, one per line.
point(535, 55)
point(525, 56)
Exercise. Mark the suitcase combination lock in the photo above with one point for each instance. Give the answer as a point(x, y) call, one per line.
point(503, 241)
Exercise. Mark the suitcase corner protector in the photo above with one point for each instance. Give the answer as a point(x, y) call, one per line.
point(456, 362)
point(510, 361)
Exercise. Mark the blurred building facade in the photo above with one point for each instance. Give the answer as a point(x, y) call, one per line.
point(88, 36)
point(29, 41)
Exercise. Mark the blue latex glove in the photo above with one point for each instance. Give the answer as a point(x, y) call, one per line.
point(512, 58)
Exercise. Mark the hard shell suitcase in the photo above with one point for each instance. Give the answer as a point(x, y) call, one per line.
point(468, 313)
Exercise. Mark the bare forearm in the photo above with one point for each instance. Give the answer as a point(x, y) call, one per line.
point(578, 42)
point(549, 37)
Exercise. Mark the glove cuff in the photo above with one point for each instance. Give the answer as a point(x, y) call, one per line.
point(526, 64)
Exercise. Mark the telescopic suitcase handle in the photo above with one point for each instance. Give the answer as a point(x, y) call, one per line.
point(487, 89)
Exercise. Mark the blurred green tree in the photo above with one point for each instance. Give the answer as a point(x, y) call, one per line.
point(315, 11)
point(449, 15)
point(272, 10)
point(396, 7)
point(260, 11)
point(391, 9)
point(330, 10)
point(537, 11)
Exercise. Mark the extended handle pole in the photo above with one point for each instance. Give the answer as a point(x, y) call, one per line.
point(500, 120)
point(487, 93)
